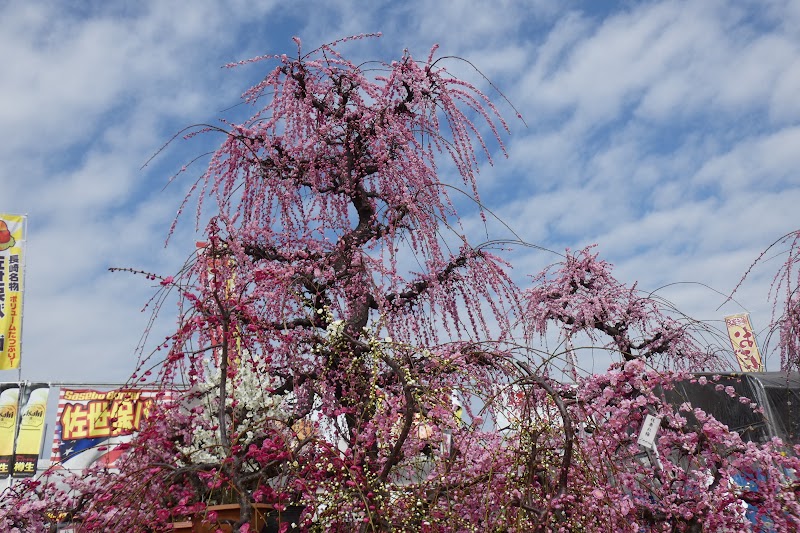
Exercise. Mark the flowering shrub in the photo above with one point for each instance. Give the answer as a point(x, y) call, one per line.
point(334, 364)
point(253, 408)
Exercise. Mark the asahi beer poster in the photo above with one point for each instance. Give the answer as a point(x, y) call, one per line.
point(12, 241)
point(91, 425)
point(9, 405)
point(30, 431)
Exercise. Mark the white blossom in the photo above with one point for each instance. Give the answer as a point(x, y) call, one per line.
point(255, 407)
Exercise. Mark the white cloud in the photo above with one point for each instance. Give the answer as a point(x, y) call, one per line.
point(760, 163)
point(665, 131)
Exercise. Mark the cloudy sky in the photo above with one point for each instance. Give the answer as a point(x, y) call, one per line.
point(668, 132)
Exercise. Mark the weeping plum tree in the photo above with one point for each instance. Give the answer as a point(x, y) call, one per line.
point(350, 355)
point(786, 301)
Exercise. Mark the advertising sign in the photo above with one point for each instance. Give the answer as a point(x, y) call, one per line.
point(12, 241)
point(743, 341)
point(31, 431)
point(91, 425)
point(9, 400)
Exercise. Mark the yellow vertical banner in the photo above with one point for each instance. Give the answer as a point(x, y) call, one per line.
point(743, 341)
point(31, 431)
point(9, 400)
point(12, 244)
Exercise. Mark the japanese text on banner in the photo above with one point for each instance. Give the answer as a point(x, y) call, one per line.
point(12, 240)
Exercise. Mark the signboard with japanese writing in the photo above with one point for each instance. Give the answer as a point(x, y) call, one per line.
point(31, 430)
point(12, 240)
point(743, 341)
point(647, 435)
point(91, 425)
point(9, 400)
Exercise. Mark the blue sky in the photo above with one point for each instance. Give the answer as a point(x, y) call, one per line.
point(665, 131)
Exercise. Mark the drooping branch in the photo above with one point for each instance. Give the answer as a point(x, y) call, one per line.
point(531, 378)
point(410, 295)
point(583, 297)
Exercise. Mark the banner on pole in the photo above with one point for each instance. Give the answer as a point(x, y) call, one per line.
point(12, 243)
point(31, 430)
point(9, 402)
point(217, 334)
point(92, 425)
point(743, 341)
